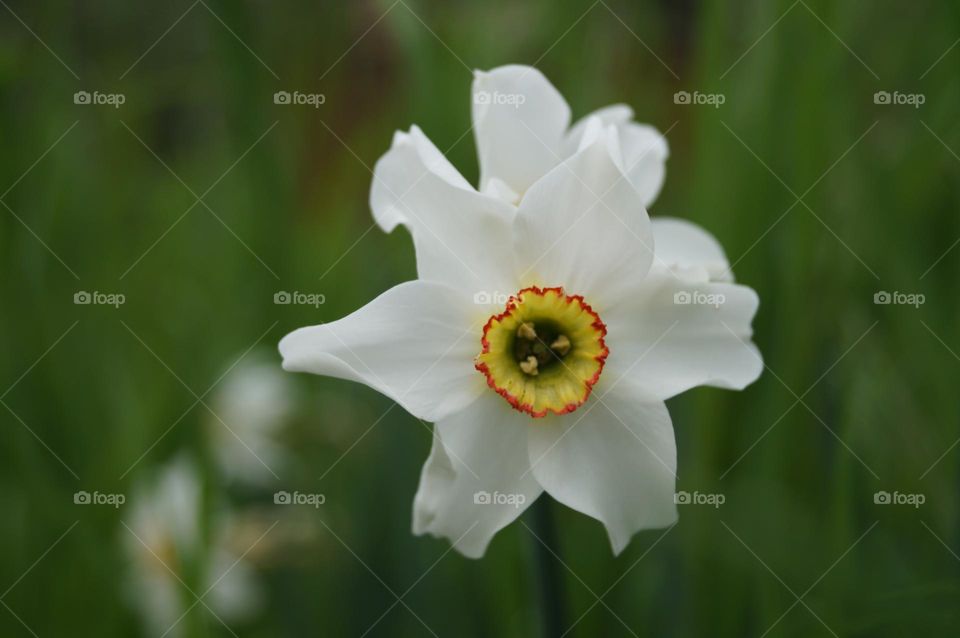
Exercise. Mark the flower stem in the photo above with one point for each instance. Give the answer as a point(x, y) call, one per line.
point(547, 563)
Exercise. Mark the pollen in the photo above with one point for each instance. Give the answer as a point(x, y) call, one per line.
point(545, 352)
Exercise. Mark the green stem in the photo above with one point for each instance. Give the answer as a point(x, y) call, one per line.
point(547, 563)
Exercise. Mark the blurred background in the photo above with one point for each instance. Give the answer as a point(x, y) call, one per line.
point(147, 433)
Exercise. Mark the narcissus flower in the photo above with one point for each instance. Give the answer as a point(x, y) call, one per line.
point(249, 410)
point(170, 551)
point(550, 320)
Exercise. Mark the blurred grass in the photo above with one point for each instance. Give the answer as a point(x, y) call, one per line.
point(199, 298)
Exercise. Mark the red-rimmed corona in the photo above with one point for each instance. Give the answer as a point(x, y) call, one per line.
point(544, 352)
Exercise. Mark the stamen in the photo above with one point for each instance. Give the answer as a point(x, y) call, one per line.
point(526, 330)
point(530, 366)
point(561, 345)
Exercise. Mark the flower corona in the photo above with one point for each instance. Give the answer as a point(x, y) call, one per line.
point(544, 352)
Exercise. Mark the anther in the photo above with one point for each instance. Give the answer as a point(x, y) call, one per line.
point(530, 366)
point(561, 345)
point(526, 331)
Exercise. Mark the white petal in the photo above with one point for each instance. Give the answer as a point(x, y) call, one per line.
point(519, 121)
point(616, 114)
point(232, 590)
point(584, 227)
point(167, 507)
point(461, 236)
point(477, 453)
point(593, 128)
point(412, 157)
point(616, 461)
point(645, 154)
point(671, 334)
point(683, 245)
point(414, 343)
point(497, 188)
point(644, 149)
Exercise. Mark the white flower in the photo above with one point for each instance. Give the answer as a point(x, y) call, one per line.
point(542, 338)
point(251, 405)
point(167, 551)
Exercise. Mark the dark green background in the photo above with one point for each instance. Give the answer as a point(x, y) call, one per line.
point(857, 397)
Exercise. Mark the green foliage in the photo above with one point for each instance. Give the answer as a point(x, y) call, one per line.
point(857, 397)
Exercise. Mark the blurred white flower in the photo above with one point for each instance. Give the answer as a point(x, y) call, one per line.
point(251, 405)
point(169, 555)
point(550, 321)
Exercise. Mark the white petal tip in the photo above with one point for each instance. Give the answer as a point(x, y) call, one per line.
point(472, 555)
point(473, 551)
point(619, 541)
